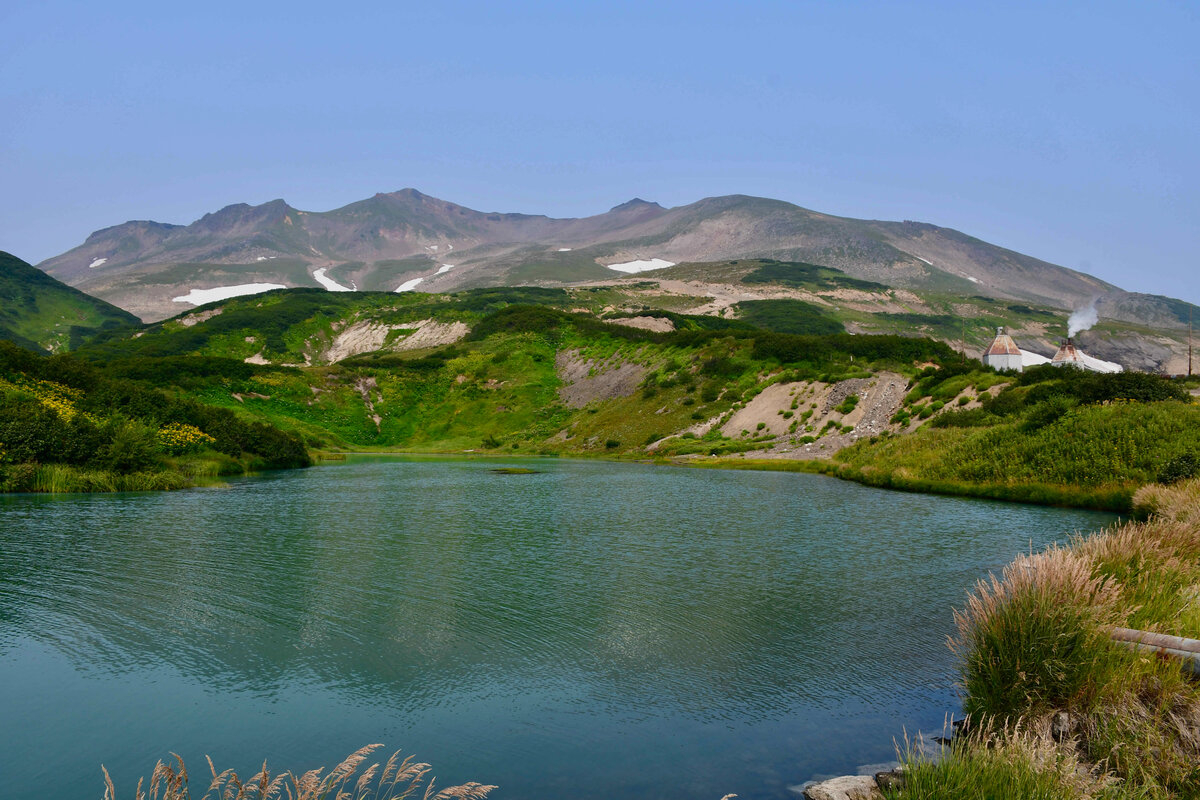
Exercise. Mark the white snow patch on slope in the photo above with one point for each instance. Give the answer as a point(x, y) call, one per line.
point(443, 269)
point(199, 297)
point(564, 249)
point(408, 286)
point(972, 279)
point(1029, 359)
point(330, 283)
point(926, 260)
point(641, 265)
point(1099, 365)
point(97, 263)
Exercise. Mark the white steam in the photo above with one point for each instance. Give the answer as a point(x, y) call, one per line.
point(1082, 319)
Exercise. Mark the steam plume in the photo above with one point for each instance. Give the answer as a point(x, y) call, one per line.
point(1082, 319)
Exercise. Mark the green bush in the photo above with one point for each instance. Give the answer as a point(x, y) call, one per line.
point(1180, 468)
point(132, 447)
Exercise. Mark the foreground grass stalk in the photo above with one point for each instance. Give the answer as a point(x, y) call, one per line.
point(393, 780)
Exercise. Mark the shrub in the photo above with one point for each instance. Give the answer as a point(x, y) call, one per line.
point(847, 405)
point(1180, 468)
point(612, 444)
point(1047, 412)
point(132, 447)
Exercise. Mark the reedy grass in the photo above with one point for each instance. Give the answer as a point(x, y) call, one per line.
point(64, 478)
point(1033, 644)
point(1003, 763)
point(393, 780)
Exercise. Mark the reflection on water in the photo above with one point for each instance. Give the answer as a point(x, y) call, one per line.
point(595, 629)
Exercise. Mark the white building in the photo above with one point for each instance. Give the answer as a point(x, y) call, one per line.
point(1004, 353)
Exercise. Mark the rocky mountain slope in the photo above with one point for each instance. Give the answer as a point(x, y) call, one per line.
point(41, 313)
point(406, 239)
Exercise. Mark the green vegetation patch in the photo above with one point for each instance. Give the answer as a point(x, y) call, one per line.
point(809, 276)
point(65, 426)
point(789, 316)
point(40, 313)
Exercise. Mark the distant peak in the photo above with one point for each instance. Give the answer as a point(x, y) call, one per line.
point(635, 203)
point(407, 194)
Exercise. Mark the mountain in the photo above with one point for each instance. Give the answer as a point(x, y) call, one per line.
point(409, 239)
point(41, 313)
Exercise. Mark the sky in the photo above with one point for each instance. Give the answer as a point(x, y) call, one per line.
point(1066, 131)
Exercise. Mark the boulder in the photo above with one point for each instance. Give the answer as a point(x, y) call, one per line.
point(850, 787)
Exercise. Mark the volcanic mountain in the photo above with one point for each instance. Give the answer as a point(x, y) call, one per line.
point(409, 240)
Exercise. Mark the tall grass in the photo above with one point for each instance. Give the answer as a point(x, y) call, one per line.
point(1005, 763)
point(397, 778)
point(64, 478)
point(1029, 640)
point(1033, 645)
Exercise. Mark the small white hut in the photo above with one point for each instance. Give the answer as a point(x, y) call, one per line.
point(1004, 353)
point(1071, 356)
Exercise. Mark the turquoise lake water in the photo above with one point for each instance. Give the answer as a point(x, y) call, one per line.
point(596, 630)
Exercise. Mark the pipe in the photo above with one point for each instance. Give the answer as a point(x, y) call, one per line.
point(1187, 651)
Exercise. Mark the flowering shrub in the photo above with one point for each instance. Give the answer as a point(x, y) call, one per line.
point(54, 396)
point(178, 438)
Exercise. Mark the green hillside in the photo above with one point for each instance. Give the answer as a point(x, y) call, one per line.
point(553, 372)
point(66, 425)
point(607, 370)
point(41, 313)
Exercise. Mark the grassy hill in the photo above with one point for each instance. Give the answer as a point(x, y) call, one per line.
point(41, 313)
point(558, 372)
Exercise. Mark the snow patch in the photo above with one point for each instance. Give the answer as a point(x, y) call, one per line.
point(1099, 365)
point(97, 263)
point(642, 265)
point(564, 249)
point(972, 279)
point(926, 260)
point(444, 268)
point(199, 297)
point(330, 283)
point(408, 286)
point(1029, 359)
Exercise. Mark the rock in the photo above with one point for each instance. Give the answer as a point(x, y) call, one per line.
point(1061, 726)
point(891, 779)
point(850, 787)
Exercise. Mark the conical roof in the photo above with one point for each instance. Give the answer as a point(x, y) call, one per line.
point(1003, 345)
point(1068, 354)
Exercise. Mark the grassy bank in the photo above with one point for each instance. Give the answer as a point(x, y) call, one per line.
point(1118, 499)
point(1056, 705)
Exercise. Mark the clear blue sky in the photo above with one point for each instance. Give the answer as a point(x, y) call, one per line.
point(1070, 132)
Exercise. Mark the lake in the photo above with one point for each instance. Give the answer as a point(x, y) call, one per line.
point(595, 630)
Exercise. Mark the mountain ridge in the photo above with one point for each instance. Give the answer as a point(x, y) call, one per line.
point(395, 238)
